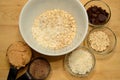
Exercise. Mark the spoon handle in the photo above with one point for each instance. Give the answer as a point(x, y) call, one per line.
point(25, 76)
point(12, 73)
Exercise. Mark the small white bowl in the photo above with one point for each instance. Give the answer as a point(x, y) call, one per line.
point(33, 8)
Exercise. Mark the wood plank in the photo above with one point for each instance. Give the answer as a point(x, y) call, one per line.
point(105, 69)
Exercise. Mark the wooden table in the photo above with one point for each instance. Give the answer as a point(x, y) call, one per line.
point(105, 69)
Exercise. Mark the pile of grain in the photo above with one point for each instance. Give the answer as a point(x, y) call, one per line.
point(99, 40)
point(54, 29)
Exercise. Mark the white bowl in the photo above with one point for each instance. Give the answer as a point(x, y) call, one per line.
point(33, 8)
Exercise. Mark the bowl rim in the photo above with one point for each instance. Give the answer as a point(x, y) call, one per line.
point(99, 25)
point(47, 53)
point(88, 44)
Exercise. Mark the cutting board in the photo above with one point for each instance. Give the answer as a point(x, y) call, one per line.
point(107, 68)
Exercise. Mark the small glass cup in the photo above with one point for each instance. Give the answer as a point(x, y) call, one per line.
point(101, 5)
point(112, 38)
point(68, 69)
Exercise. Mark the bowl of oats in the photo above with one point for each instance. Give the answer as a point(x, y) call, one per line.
point(52, 27)
point(101, 40)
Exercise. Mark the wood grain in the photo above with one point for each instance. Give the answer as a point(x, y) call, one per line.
point(105, 69)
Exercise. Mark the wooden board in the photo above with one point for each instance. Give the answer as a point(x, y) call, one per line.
point(105, 69)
